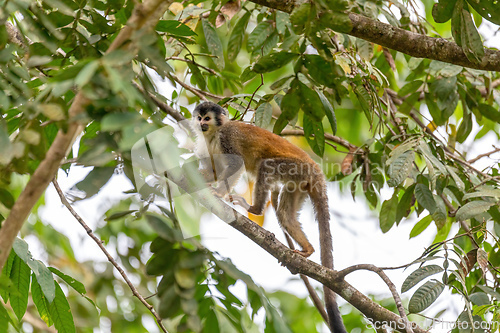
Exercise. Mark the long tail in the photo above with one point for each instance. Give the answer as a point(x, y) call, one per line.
point(320, 203)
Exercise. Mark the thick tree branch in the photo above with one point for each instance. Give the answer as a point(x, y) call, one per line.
point(404, 41)
point(296, 263)
point(145, 15)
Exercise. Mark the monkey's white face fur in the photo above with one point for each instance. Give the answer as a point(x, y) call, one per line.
point(205, 123)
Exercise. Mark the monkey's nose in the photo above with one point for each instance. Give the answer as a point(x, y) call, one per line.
point(204, 127)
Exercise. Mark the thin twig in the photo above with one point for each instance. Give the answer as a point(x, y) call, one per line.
point(160, 104)
point(452, 210)
point(388, 282)
point(210, 70)
point(480, 156)
point(107, 254)
point(199, 93)
point(253, 95)
point(328, 136)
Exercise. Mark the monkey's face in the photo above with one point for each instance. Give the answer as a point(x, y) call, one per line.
point(206, 122)
point(209, 117)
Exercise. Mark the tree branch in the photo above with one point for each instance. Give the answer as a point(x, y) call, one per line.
point(388, 282)
point(480, 156)
point(404, 41)
point(107, 254)
point(144, 15)
point(296, 263)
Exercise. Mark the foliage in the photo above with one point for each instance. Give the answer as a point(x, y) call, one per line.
point(403, 123)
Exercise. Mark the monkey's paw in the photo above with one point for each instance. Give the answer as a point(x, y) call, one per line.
point(304, 253)
point(240, 201)
point(219, 192)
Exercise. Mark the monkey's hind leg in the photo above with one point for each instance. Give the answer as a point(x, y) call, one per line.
point(290, 202)
point(265, 178)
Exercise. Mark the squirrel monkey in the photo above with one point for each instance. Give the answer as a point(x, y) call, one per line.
point(279, 167)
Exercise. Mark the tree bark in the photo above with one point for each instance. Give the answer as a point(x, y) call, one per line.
point(404, 41)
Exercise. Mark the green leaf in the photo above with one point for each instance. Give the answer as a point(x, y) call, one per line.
point(263, 115)
point(421, 226)
point(410, 88)
point(41, 302)
point(6, 153)
point(337, 21)
point(364, 100)
point(174, 27)
point(112, 122)
point(443, 10)
point(418, 275)
point(6, 198)
point(20, 276)
point(483, 191)
point(425, 296)
point(43, 275)
point(472, 209)
point(185, 278)
point(197, 77)
point(44, 278)
point(236, 37)
point(440, 214)
point(73, 283)
point(479, 299)
point(273, 61)
point(330, 113)
point(465, 128)
point(119, 215)
point(400, 168)
point(489, 112)
point(434, 109)
point(487, 9)
point(320, 69)
point(405, 204)
point(61, 312)
point(280, 123)
point(4, 319)
point(211, 323)
point(259, 35)
point(213, 43)
point(290, 106)
point(310, 101)
point(162, 226)
point(456, 22)
point(388, 213)
point(314, 134)
point(282, 20)
point(474, 49)
point(170, 303)
point(95, 180)
point(86, 74)
point(300, 17)
point(425, 198)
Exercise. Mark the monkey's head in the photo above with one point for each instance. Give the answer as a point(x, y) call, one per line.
point(209, 117)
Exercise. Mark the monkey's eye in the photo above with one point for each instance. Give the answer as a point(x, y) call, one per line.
point(207, 118)
point(199, 117)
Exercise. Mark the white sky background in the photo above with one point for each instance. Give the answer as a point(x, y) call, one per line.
point(356, 235)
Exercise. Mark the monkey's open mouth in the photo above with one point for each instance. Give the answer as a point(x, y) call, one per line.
point(204, 127)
